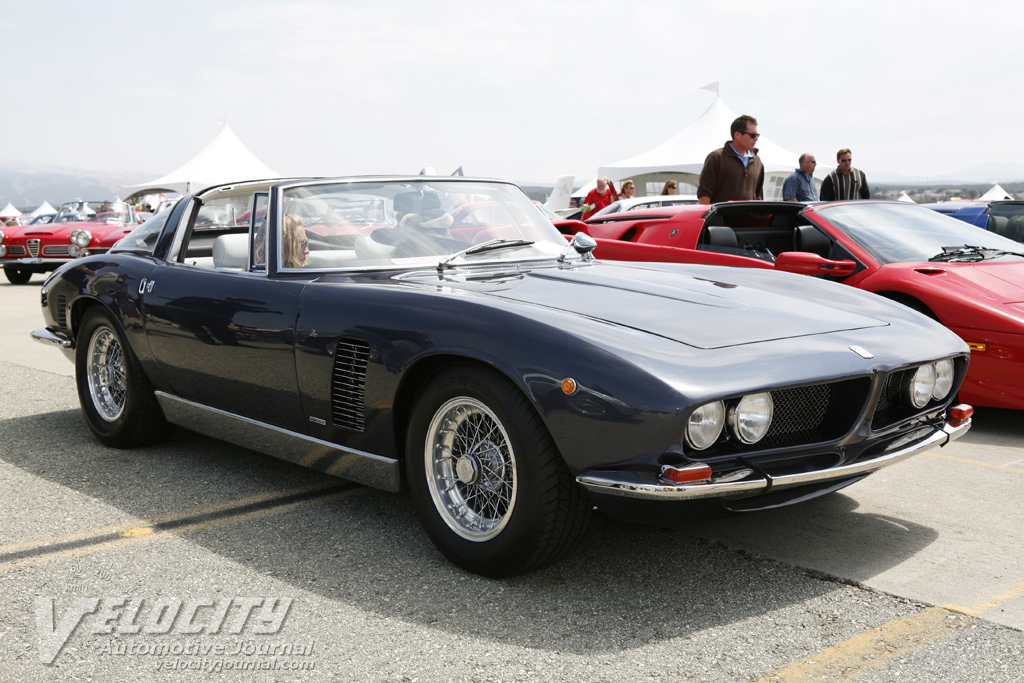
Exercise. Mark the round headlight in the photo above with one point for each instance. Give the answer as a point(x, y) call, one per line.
point(73, 250)
point(1, 236)
point(750, 419)
point(943, 379)
point(81, 238)
point(705, 425)
point(3, 250)
point(918, 387)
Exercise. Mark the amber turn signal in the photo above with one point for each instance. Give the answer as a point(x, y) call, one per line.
point(569, 386)
point(690, 473)
point(977, 347)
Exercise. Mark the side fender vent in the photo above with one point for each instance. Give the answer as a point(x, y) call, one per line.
point(348, 382)
point(62, 312)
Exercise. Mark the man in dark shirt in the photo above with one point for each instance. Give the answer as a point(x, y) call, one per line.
point(735, 171)
point(846, 182)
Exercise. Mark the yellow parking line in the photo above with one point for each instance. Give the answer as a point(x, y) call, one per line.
point(142, 531)
point(976, 462)
point(148, 521)
point(1012, 592)
point(871, 650)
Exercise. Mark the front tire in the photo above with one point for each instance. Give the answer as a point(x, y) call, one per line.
point(116, 396)
point(17, 276)
point(489, 486)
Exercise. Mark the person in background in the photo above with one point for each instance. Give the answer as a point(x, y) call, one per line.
point(598, 198)
point(846, 182)
point(671, 187)
point(628, 189)
point(799, 185)
point(735, 171)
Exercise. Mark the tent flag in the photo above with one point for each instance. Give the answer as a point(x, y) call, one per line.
point(713, 87)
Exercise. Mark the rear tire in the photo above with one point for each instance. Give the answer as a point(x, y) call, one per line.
point(489, 486)
point(17, 276)
point(116, 396)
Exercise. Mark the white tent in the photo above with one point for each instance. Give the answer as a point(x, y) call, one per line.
point(904, 197)
point(43, 208)
point(9, 211)
point(996, 193)
point(682, 156)
point(224, 160)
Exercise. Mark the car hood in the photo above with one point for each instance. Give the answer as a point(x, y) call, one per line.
point(703, 312)
point(63, 230)
point(1002, 282)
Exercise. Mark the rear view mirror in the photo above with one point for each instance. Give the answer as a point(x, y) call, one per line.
point(806, 263)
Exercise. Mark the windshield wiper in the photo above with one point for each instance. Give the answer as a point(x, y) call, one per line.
point(490, 245)
point(971, 254)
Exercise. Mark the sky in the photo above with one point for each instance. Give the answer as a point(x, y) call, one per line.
point(523, 90)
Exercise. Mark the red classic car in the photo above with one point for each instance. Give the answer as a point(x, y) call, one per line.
point(969, 279)
point(78, 229)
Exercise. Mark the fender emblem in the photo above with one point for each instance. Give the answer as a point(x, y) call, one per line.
point(861, 351)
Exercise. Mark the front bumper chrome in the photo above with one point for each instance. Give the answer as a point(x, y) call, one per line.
point(640, 485)
point(51, 337)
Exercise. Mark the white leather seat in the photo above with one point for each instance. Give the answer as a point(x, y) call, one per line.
point(231, 251)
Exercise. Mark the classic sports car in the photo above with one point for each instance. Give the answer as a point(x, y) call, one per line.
point(640, 203)
point(969, 279)
point(78, 229)
point(511, 381)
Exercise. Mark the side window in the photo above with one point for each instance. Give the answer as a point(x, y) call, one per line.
point(219, 235)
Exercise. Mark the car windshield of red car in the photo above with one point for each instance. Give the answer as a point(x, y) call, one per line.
point(894, 232)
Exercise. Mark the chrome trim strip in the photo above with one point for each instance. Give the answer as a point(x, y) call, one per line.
point(364, 468)
point(633, 485)
point(51, 336)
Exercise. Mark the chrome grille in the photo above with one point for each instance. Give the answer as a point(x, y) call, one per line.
point(56, 250)
point(348, 383)
point(798, 415)
point(33, 247)
point(16, 250)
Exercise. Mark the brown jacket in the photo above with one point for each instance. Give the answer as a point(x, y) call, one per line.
point(724, 178)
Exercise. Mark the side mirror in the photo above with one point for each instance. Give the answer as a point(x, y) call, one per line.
point(806, 263)
point(582, 244)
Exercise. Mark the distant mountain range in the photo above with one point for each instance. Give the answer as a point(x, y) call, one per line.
point(982, 173)
point(27, 185)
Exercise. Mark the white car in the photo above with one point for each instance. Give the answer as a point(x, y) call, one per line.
point(654, 202)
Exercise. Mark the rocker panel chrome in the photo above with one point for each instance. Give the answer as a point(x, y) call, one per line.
point(364, 468)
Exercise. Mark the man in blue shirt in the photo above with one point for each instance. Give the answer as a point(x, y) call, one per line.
point(799, 186)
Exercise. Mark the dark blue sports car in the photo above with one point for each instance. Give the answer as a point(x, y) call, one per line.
point(1003, 217)
point(440, 334)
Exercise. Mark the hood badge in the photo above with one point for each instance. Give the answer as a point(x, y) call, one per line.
point(861, 351)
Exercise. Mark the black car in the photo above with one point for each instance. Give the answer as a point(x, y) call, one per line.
point(440, 334)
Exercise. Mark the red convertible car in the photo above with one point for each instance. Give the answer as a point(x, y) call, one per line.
point(78, 229)
point(969, 279)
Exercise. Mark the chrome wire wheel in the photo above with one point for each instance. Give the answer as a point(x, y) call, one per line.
point(105, 370)
point(470, 468)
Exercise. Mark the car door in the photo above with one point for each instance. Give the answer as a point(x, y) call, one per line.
point(225, 338)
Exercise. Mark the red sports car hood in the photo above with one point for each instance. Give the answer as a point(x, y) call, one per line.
point(705, 312)
point(56, 230)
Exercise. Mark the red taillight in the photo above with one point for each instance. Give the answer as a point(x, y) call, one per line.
point(689, 473)
point(960, 414)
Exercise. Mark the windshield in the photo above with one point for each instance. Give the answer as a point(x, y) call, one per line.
point(144, 237)
point(409, 223)
point(899, 232)
point(102, 212)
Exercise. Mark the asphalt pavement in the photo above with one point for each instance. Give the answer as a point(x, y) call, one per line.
point(198, 556)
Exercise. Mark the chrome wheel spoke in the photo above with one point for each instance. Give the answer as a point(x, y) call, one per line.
point(471, 468)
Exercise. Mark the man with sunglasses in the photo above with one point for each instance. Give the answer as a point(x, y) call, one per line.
point(735, 171)
point(846, 182)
